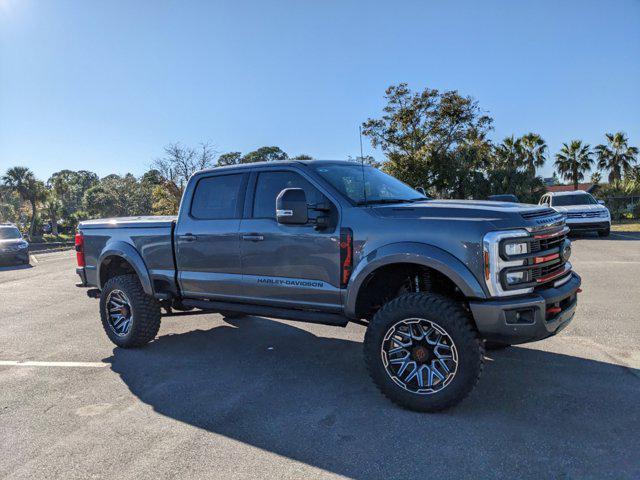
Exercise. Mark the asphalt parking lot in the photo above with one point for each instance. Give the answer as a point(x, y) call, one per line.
point(258, 398)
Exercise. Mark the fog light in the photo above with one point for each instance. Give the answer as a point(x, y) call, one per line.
point(515, 277)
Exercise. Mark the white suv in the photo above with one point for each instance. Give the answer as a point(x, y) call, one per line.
point(582, 211)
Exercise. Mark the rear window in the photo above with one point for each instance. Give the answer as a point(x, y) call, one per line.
point(218, 197)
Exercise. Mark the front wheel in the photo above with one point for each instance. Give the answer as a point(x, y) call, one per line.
point(423, 353)
point(130, 317)
point(605, 232)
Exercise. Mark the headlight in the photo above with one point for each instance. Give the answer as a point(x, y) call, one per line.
point(23, 245)
point(494, 263)
point(516, 248)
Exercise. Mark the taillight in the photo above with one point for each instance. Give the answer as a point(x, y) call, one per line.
point(346, 255)
point(80, 249)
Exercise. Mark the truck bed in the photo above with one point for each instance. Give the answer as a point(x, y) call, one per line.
point(130, 222)
point(151, 237)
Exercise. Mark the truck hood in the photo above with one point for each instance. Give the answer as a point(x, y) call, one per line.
point(580, 208)
point(458, 209)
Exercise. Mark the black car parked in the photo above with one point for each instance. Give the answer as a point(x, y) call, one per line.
point(13, 248)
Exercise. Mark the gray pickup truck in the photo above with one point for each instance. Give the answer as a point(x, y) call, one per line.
point(333, 242)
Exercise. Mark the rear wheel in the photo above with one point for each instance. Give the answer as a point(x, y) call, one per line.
point(423, 353)
point(130, 317)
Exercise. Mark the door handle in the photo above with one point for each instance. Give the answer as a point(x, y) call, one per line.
point(253, 237)
point(187, 237)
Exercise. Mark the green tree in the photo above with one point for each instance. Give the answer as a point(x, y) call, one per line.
point(303, 156)
point(616, 156)
point(23, 181)
point(534, 151)
point(164, 203)
point(230, 158)
point(573, 160)
point(53, 208)
point(596, 177)
point(69, 188)
point(264, 154)
point(10, 205)
point(118, 196)
point(509, 158)
point(426, 137)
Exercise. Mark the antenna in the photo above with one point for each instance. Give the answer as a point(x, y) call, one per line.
point(364, 183)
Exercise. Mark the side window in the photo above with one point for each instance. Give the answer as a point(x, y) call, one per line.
point(217, 197)
point(270, 184)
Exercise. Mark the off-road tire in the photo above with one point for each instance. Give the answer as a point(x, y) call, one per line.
point(489, 345)
point(604, 233)
point(145, 310)
point(455, 320)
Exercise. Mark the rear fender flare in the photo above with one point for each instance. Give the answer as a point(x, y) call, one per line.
point(416, 253)
point(127, 252)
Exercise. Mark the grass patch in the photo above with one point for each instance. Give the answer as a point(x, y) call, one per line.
point(626, 226)
point(49, 238)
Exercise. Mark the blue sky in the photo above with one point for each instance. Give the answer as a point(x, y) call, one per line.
point(103, 85)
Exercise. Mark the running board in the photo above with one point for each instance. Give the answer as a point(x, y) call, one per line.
point(273, 312)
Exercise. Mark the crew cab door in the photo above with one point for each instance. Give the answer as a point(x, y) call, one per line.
point(206, 236)
point(289, 265)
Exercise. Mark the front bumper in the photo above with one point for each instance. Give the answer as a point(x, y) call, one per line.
point(527, 318)
point(583, 225)
point(14, 256)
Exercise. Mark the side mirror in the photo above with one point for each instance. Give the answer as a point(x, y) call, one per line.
point(291, 207)
point(601, 202)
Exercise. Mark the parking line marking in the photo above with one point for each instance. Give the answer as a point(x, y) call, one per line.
point(34, 259)
point(25, 363)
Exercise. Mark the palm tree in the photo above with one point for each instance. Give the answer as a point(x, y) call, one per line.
point(534, 152)
point(573, 161)
point(23, 181)
point(509, 159)
point(53, 207)
point(617, 156)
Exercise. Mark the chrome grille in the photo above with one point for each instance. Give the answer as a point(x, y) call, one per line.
point(582, 214)
point(538, 213)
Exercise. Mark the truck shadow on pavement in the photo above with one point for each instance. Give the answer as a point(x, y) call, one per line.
point(617, 236)
point(285, 390)
point(5, 267)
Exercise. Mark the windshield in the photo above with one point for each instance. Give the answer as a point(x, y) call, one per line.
point(9, 233)
point(381, 188)
point(577, 199)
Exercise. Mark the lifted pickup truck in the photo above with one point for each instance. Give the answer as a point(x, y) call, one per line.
point(433, 281)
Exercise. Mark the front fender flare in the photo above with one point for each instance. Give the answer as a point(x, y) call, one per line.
point(127, 252)
point(416, 253)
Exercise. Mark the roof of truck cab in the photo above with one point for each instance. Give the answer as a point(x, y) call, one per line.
point(276, 164)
